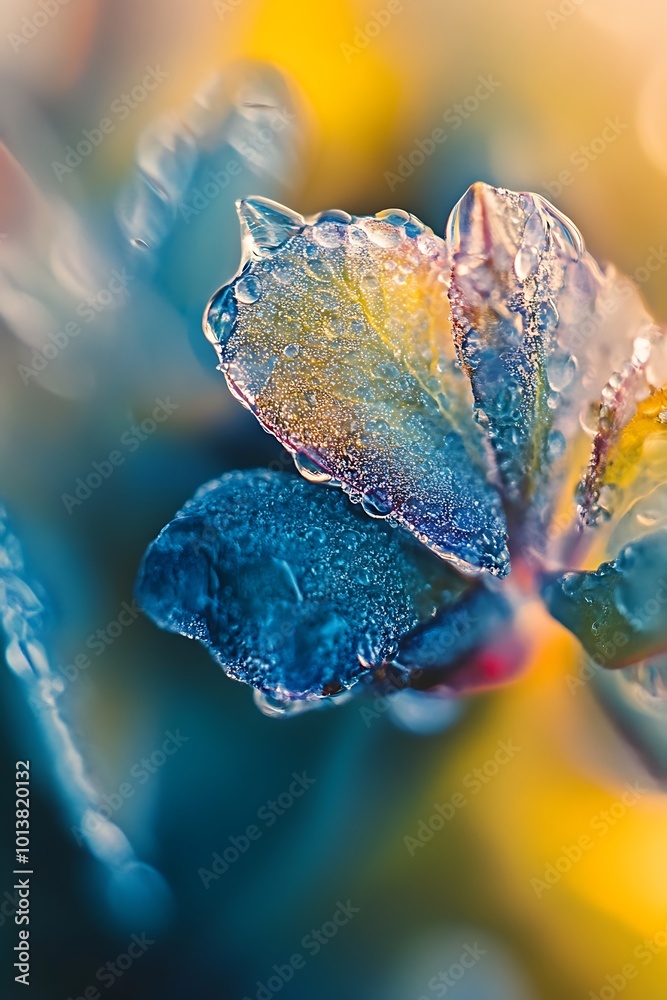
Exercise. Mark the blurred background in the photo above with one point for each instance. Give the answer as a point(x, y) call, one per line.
point(127, 132)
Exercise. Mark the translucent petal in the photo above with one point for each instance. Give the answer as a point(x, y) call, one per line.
point(539, 328)
point(337, 336)
point(293, 590)
point(618, 612)
point(636, 700)
point(625, 489)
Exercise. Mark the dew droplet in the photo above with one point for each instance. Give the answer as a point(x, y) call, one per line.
point(556, 444)
point(647, 518)
point(394, 216)
point(370, 283)
point(560, 371)
point(382, 234)
point(266, 225)
point(248, 289)
point(291, 350)
point(220, 316)
point(526, 262)
point(274, 707)
point(309, 468)
point(328, 235)
point(376, 503)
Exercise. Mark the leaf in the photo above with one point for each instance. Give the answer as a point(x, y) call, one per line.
point(618, 612)
point(464, 647)
point(336, 335)
point(291, 589)
point(625, 487)
point(539, 326)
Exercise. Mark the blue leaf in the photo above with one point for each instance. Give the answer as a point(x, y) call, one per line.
point(292, 589)
point(618, 613)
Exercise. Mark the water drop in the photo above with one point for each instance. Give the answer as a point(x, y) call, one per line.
point(335, 215)
point(647, 518)
point(427, 245)
point(376, 503)
point(564, 230)
point(357, 237)
point(369, 283)
point(274, 707)
point(266, 225)
point(394, 216)
point(316, 535)
point(291, 350)
point(328, 235)
point(526, 262)
point(220, 316)
point(382, 234)
point(556, 444)
point(560, 371)
point(641, 350)
point(248, 289)
point(310, 468)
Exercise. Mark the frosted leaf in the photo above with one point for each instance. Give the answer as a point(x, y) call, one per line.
point(539, 327)
point(618, 612)
point(293, 590)
point(625, 486)
point(344, 352)
point(446, 650)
